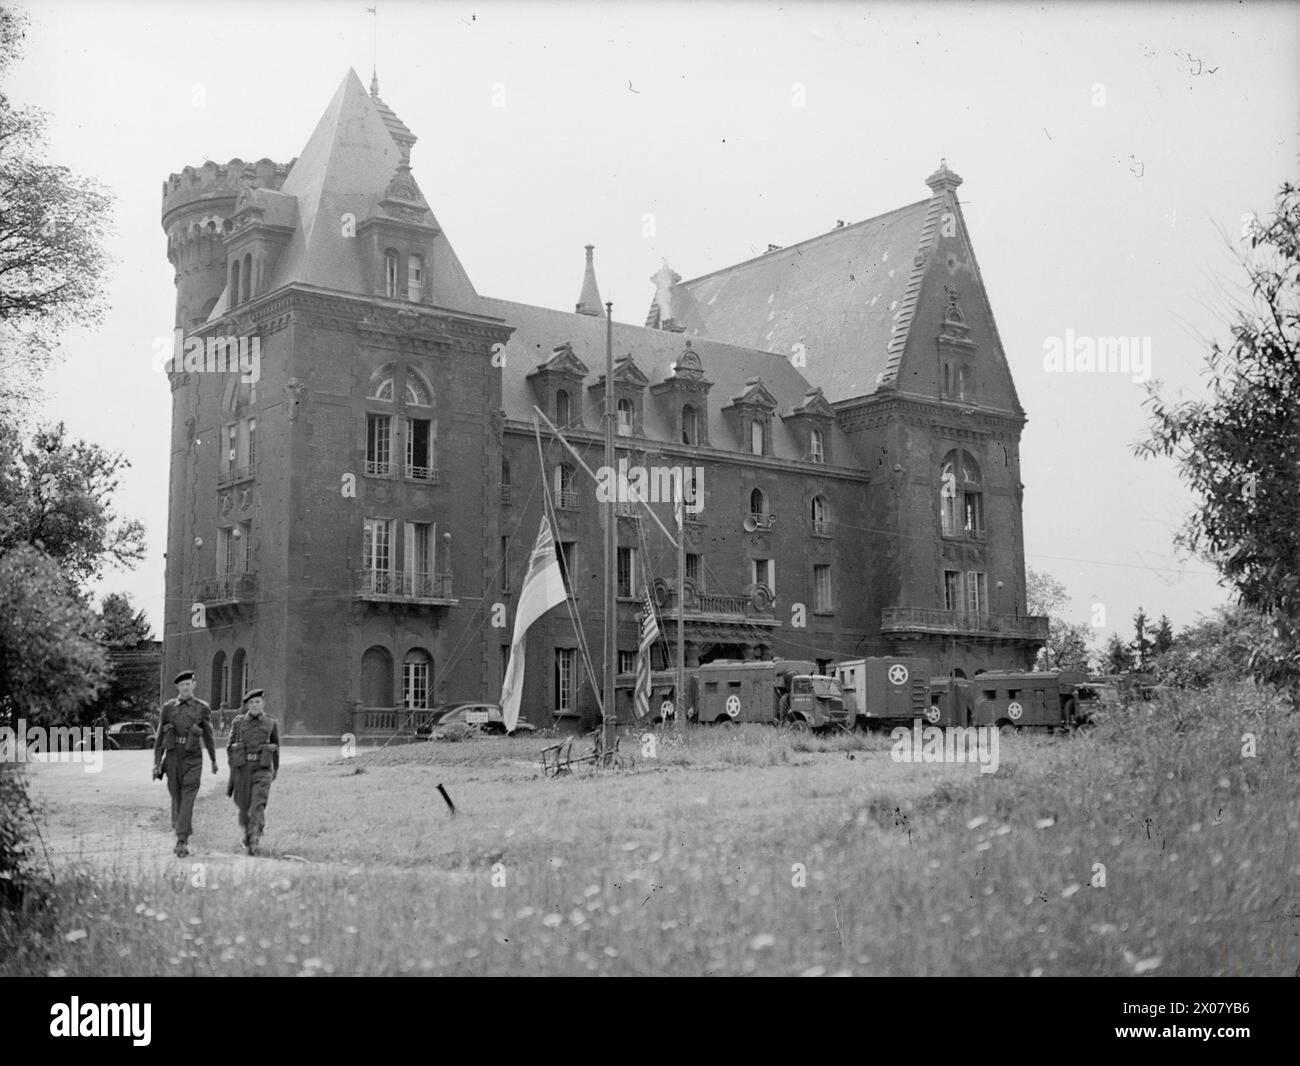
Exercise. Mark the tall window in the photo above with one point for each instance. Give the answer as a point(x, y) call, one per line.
point(377, 553)
point(414, 278)
point(690, 424)
point(758, 506)
point(757, 433)
point(505, 564)
point(763, 572)
point(390, 274)
point(244, 546)
point(234, 283)
point(417, 679)
point(817, 450)
point(952, 590)
point(566, 663)
point(563, 408)
point(232, 446)
point(961, 497)
point(821, 588)
point(566, 495)
point(976, 596)
point(627, 572)
point(248, 278)
point(693, 568)
point(820, 518)
point(626, 662)
point(421, 543)
point(566, 555)
point(378, 444)
point(227, 547)
point(252, 441)
point(419, 449)
point(625, 415)
point(505, 480)
point(220, 680)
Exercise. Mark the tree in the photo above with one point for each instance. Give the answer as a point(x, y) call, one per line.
point(1217, 648)
point(1067, 646)
point(1043, 593)
point(1163, 639)
point(120, 626)
point(57, 495)
point(1142, 644)
point(1118, 656)
point(1239, 450)
point(50, 665)
point(52, 225)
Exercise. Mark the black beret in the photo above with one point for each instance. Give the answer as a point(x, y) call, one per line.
point(251, 694)
point(184, 675)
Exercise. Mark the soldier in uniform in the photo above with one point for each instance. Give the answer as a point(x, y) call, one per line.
point(184, 729)
point(254, 754)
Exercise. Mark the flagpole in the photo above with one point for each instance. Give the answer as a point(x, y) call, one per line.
point(609, 719)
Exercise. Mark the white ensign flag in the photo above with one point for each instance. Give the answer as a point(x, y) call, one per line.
point(543, 589)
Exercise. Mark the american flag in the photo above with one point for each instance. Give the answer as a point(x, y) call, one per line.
point(649, 634)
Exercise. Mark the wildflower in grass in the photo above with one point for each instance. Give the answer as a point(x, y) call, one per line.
point(58, 973)
point(814, 971)
point(139, 908)
point(552, 921)
point(161, 916)
point(763, 940)
point(975, 823)
point(983, 846)
point(75, 935)
point(1003, 830)
point(1044, 823)
point(591, 890)
point(556, 862)
point(195, 921)
point(1069, 891)
point(1037, 971)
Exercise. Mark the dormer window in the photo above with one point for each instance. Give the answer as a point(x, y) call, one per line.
point(414, 278)
point(690, 425)
point(390, 274)
point(817, 446)
point(563, 407)
point(625, 414)
point(757, 436)
point(234, 282)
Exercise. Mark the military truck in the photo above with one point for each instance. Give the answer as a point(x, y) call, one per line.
point(1045, 699)
point(950, 702)
point(784, 691)
point(884, 690)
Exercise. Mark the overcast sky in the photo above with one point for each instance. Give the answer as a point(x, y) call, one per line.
point(1105, 150)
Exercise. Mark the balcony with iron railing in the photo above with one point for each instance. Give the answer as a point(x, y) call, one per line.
point(567, 499)
point(428, 474)
point(226, 590)
point(757, 607)
point(931, 621)
point(233, 477)
point(392, 720)
point(378, 468)
point(405, 586)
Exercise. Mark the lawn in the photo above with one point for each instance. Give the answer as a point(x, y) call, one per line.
point(1147, 844)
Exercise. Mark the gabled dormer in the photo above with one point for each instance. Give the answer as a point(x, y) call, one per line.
point(750, 417)
point(262, 224)
point(809, 422)
point(629, 397)
point(557, 385)
point(396, 242)
point(683, 396)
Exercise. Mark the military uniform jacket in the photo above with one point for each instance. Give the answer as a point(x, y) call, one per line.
point(187, 725)
point(252, 734)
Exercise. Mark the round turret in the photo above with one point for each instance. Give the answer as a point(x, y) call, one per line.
point(196, 210)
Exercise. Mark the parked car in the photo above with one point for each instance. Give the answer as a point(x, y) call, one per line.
point(130, 735)
point(445, 714)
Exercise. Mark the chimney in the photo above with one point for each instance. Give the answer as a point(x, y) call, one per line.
point(943, 179)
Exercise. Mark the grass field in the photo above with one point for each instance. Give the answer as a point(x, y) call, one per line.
point(735, 851)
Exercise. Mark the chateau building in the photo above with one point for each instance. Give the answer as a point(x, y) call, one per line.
point(349, 530)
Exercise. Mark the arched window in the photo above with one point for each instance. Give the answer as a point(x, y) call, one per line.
point(625, 415)
point(961, 497)
point(757, 436)
point(563, 407)
point(565, 494)
point(390, 274)
point(961, 382)
point(414, 278)
point(817, 446)
point(220, 680)
point(418, 391)
point(234, 283)
point(820, 515)
point(690, 425)
point(381, 384)
point(248, 278)
point(758, 505)
point(417, 679)
point(238, 677)
point(377, 678)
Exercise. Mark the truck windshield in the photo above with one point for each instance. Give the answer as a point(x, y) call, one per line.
point(824, 686)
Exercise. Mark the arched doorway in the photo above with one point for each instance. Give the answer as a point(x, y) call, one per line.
point(377, 678)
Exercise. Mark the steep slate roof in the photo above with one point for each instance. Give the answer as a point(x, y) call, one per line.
point(345, 169)
point(538, 330)
point(847, 296)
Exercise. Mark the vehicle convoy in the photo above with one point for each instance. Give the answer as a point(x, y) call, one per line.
point(1050, 699)
point(884, 690)
point(784, 691)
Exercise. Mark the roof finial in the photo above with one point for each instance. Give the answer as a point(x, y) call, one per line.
point(374, 84)
point(943, 179)
point(589, 301)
